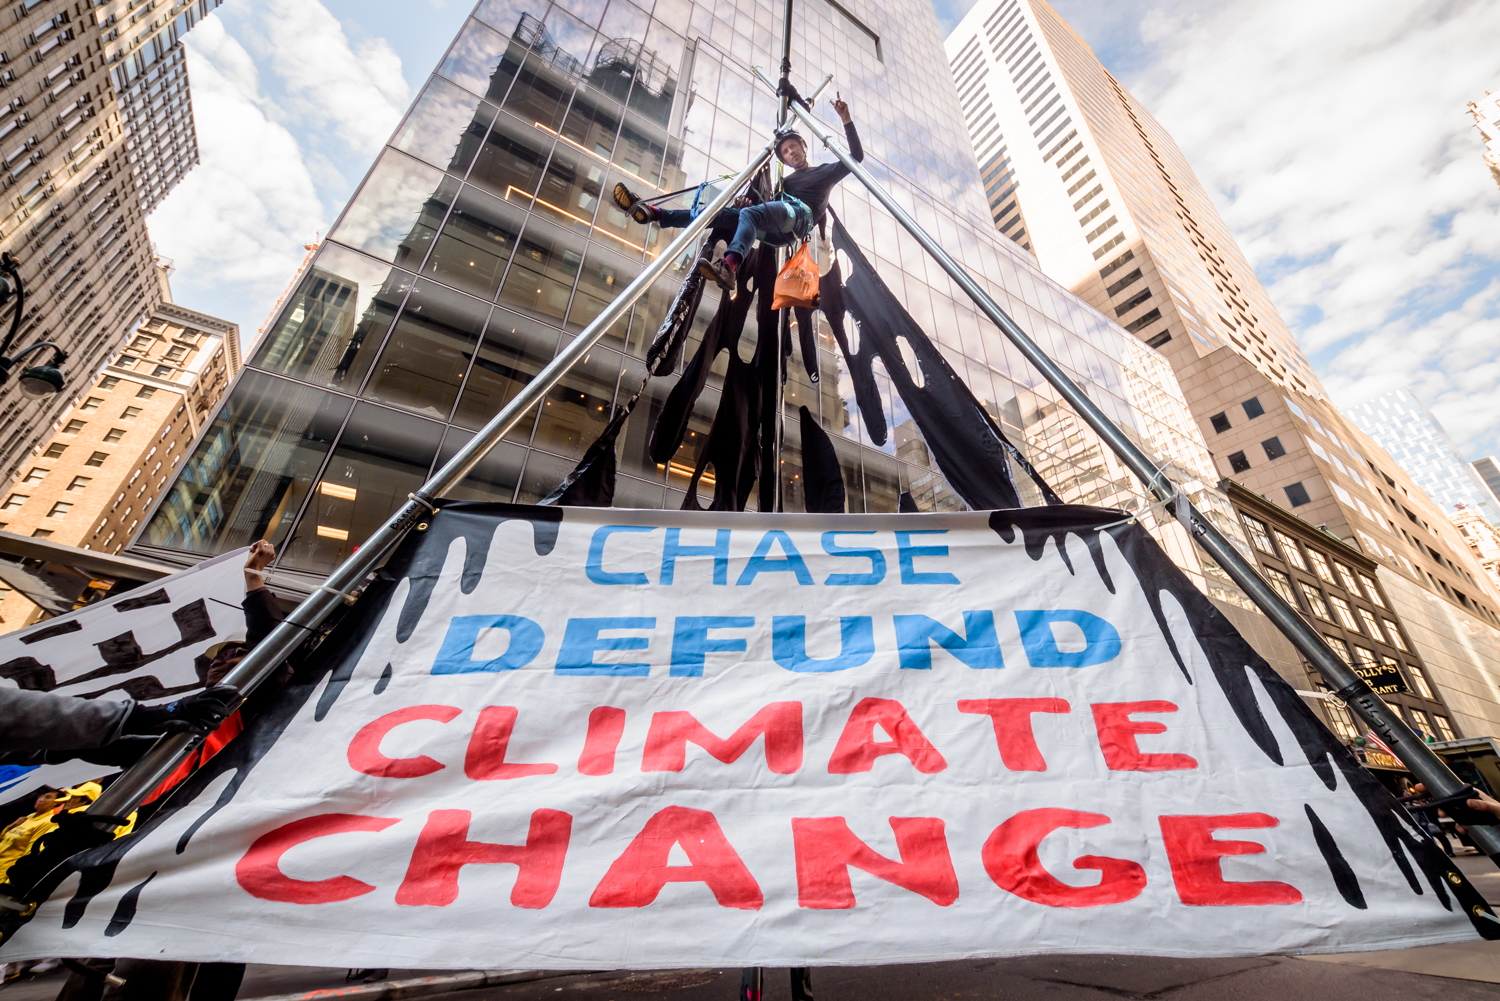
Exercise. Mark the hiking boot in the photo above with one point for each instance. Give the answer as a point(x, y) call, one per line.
point(632, 205)
point(720, 272)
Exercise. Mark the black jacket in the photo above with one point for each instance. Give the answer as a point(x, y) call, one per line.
point(811, 185)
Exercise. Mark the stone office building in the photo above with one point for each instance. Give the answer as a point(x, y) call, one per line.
point(1114, 211)
point(96, 128)
point(1337, 588)
point(91, 483)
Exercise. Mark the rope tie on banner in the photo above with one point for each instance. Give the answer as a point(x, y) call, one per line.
point(1177, 504)
point(349, 597)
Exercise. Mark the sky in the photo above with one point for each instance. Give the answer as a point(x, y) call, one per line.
point(1332, 136)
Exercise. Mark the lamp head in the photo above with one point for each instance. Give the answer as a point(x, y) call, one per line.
point(41, 382)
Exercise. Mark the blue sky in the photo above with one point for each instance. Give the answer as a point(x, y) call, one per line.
point(1333, 138)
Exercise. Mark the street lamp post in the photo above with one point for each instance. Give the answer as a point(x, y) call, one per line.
point(40, 381)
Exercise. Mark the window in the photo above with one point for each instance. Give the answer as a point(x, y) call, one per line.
point(1125, 282)
point(1347, 576)
point(1315, 601)
point(1339, 720)
point(141, 343)
point(97, 459)
point(1259, 537)
point(42, 533)
point(1371, 626)
point(1445, 728)
point(1253, 409)
point(1274, 448)
point(1320, 566)
point(79, 484)
point(14, 501)
point(54, 450)
point(60, 510)
point(1366, 658)
point(1341, 648)
point(1220, 421)
point(37, 475)
point(130, 413)
point(1282, 583)
point(1424, 728)
point(1238, 463)
point(74, 426)
point(1344, 612)
point(91, 404)
point(1290, 548)
point(1118, 262)
point(1395, 634)
point(176, 352)
point(162, 371)
point(115, 434)
point(109, 382)
point(1418, 677)
point(1158, 340)
point(146, 393)
point(862, 37)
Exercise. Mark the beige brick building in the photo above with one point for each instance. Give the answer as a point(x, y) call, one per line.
point(115, 447)
point(1482, 537)
point(95, 127)
point(1114, 212)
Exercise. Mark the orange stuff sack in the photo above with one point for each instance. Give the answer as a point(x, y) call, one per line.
point(797, 284)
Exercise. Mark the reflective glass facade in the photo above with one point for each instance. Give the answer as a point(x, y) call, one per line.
point(484, 237)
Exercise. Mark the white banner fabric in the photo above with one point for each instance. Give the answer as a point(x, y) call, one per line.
point(612, 739)
point(145, 643)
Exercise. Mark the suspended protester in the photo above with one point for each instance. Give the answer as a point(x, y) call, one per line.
point(801, 202)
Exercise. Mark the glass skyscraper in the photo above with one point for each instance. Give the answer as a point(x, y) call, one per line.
point(484, 237)
point(1406, 429)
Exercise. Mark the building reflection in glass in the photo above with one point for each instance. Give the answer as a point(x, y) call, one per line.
point(484, 236)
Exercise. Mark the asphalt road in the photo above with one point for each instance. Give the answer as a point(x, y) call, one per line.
point(1450, 972)
point(1057, 978)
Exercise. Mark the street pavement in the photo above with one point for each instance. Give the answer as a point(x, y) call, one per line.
point(1449, 972)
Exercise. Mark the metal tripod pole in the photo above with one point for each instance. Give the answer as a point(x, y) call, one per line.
point(1428, 768)
point(771, 452)
point(126, 793)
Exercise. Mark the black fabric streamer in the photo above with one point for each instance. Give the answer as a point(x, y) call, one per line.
point(592, 482)
point(822, 478)
point(970, 450)
point(806, 341)
point(723, 332)
point(772, 346)
point(734, 440)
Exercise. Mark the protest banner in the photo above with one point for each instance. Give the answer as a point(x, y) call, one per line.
point(146, 644)
point(585, 738)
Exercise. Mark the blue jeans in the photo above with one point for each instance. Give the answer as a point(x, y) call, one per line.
point(770, 222)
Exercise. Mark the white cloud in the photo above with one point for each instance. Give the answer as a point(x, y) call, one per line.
point(288, 113)
point(239, 217)
point(354, 92)
point(1334, 138)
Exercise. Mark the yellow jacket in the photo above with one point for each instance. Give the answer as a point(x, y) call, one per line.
point(18, 840)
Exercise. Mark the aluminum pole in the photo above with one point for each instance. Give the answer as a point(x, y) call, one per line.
point(786, 62)
point(1422, 761)
point(126, 793)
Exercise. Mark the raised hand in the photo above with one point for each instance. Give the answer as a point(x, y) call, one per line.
point(842, 107)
